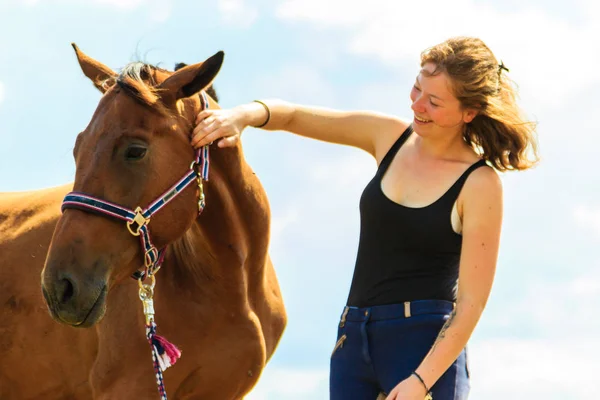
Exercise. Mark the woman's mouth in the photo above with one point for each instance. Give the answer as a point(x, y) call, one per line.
point(421, 121)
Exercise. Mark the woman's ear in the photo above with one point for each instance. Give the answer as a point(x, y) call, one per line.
point(469, 115)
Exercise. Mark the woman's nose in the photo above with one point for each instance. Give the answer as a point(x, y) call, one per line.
point(418, 106)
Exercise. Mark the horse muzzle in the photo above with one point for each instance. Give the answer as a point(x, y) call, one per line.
point(73, 302)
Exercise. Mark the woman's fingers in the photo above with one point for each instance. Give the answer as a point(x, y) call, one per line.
point(202, 131)
point(208, 139)
point(202, 115)
point(202, 125)
point(215, 124)
point(228, 141)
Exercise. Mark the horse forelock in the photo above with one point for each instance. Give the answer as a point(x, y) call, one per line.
point(138, 80)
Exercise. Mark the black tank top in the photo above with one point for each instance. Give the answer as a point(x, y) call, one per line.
point(404, 253)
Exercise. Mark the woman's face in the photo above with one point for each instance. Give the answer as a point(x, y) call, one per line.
point(436, 110)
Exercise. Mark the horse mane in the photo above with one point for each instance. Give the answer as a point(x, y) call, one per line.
point(193, 261)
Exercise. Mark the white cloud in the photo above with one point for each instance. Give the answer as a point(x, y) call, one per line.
point(124, 4)
point(590, 8)
point(291, 384)
point(588, 218)
point(544, 303)
point(283, 220)
point(342, 173)
point(1, 92)
point(523, 369)
point(538, 47)
point(158, 10)
point(298, 83)
point(237, 12)
point(280, 222)
point(324, 206)
point(563, 307)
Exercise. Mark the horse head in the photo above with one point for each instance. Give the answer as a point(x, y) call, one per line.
point(135, 148)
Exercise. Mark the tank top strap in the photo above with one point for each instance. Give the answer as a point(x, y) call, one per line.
point(452, 193)
point(389, 156)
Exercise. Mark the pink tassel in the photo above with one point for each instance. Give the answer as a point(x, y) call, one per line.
point(170, 350)
point(166, 353)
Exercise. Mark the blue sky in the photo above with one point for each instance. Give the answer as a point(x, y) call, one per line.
point(538, 335)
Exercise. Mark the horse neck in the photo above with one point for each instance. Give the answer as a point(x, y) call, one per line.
point(234, 226)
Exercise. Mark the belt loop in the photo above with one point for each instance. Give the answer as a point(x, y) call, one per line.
point(343, 321)
point(407, 309)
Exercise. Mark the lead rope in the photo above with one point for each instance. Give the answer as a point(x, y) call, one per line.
point(164, 353)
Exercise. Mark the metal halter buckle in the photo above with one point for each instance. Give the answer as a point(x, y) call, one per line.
point(139, 220)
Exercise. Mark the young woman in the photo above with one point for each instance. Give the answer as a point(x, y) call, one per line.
point(430, 218)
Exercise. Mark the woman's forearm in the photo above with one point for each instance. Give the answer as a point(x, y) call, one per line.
point(279, 115)
point(451, 340)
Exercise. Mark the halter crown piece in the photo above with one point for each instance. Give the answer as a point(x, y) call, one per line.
point(164, 353)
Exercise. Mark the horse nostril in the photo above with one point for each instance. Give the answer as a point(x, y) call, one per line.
point(64, 291)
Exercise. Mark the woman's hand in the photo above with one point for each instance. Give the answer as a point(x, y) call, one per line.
point(215, 124)
point(409, 389)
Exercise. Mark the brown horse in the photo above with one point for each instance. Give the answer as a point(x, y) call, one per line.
point(216, 296)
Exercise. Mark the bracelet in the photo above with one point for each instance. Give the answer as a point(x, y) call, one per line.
point(422, 381)
point(268, 113)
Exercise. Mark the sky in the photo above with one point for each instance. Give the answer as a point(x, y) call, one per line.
point(538, 335)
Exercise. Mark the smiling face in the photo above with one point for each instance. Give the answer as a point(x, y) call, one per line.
point(437, 112)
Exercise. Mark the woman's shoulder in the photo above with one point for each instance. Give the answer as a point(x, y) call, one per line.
point(483, 181)
point(386, 139)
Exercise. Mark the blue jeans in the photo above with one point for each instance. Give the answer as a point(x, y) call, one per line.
point(378, 347)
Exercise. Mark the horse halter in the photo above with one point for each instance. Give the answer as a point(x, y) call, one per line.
point(137, 220)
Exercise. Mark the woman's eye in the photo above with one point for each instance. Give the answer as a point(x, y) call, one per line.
point(432, 103)
point(134, 153)
point(416, 88)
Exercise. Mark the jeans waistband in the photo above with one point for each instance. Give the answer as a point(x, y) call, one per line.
point(395, 311)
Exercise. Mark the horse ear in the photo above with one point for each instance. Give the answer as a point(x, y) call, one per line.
point(95, 70)
point(191, 79)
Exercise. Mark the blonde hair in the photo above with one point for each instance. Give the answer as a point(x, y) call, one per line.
point(499, 132)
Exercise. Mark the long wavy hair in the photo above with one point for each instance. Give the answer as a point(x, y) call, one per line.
point(499, 133)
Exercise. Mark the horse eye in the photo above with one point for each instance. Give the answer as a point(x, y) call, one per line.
point(135, 152)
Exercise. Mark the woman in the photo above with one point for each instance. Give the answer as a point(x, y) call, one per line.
point(430, 218)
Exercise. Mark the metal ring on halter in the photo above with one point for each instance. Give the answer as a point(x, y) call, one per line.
point(147, 260)
point(147, 288)
point(152, 271)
